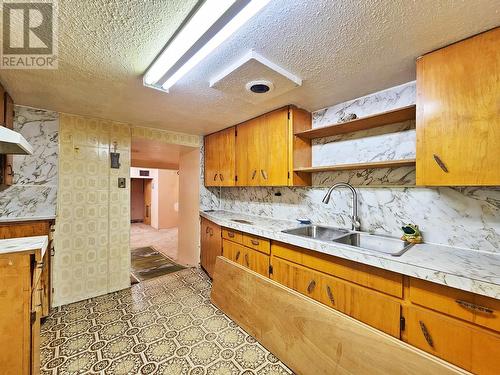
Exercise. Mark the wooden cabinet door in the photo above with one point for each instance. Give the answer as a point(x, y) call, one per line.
point(211, 245)
point(233, 251)
point(226, 146)
point(212, 160)
point(273, 135)
point(458, 113)
point(248, 153)
point(301, 279)
point(256, 261)
point(460, 343)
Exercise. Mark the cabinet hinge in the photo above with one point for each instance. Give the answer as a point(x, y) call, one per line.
point(402, 323)
point(288, 175)
point(289, 114)
point(270, 270)
point(236, 133)
point(235, 178)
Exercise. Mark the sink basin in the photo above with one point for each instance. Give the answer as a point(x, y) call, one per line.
point(387, 245)
point(318, 232)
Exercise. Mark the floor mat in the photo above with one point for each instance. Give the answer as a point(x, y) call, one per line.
point(148, 263)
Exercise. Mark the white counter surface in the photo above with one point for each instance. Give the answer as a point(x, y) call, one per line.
point(15, 245)
point(469, 270)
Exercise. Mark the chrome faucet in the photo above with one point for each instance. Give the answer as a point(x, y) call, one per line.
point(356, 225)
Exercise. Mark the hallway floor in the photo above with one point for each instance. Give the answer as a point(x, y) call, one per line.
point(166, 325)
point(163, 240)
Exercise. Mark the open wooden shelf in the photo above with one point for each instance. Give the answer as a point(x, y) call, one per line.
point(368, 165)
point(363, 123)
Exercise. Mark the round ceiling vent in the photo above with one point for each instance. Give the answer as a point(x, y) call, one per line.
point(259, 87)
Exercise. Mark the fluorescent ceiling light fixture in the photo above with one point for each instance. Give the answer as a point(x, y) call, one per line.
point(213, 23)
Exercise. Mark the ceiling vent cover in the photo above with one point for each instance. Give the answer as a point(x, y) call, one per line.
point(255, 79)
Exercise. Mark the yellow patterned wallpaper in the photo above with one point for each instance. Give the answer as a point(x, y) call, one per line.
point(92, 255)
point(166, 136)
point(92, 244)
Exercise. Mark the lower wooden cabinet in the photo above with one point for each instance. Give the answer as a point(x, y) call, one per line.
point(467, 346)
point(370, 307)
point(22, 300)
point(211, 245)
point(252, 259)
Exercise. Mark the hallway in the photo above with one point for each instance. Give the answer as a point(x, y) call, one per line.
point(163, 240)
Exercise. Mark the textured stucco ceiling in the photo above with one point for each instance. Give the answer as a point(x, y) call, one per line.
point(341, 49)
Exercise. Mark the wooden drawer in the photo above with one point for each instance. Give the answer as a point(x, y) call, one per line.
point(257, 243)
point(375, 278)
point(467, 346)
point(252, 259)
point(368, 306)
point(468, 306)
point(232, 235)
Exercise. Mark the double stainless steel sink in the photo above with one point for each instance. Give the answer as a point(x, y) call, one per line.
point(383, 244)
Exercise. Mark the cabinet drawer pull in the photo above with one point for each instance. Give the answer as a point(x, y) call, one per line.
point(221, 177)
point(264, 174)
point(254, 173)
point(246, 260)
point(237, 255)
point(207, 230)
point(311, 286)
point(440, 163)
point(330, 294)
point(255, 242)
point(215, 176)
point(474, 307)
point(230, 234)
point(426, 334)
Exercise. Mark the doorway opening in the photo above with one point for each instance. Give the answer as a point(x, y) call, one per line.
point(155, 209)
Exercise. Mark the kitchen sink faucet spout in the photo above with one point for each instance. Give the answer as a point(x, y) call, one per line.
point(356, 225)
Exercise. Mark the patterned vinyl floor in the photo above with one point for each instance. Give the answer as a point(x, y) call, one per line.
point(165, 325)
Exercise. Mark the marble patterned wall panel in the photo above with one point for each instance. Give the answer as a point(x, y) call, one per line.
point(467, 218)
point(93, 224)
point(40, 128)
point(386, 100)
point(209, 197)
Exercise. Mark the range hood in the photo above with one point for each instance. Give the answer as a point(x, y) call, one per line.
point(12, 142)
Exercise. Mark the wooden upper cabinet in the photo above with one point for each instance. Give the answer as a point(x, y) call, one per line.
point(458, 113)
point(219, 158)
point(267, 150)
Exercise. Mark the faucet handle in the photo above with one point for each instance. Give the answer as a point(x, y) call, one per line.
point(356, 224)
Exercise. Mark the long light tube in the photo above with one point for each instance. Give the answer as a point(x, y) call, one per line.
point(208, 14)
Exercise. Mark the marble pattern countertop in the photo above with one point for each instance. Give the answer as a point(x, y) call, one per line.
point(473, 271)
point(15, 245)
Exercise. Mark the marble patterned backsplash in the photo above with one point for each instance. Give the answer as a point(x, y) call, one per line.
point(34, 189)
point(460, 217)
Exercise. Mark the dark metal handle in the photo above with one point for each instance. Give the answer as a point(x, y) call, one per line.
point(230, 234)
point(264, 174)
point(221, 177)
point(474, 307)
point(254, 242)
point(237, 255)
point(311, 286)
point(330, 294)
point(207, 230)
point(246, 260)
point(11, 173)
point(254, 173)
point(215, 176)
point(440, 163)
point(426, 334)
